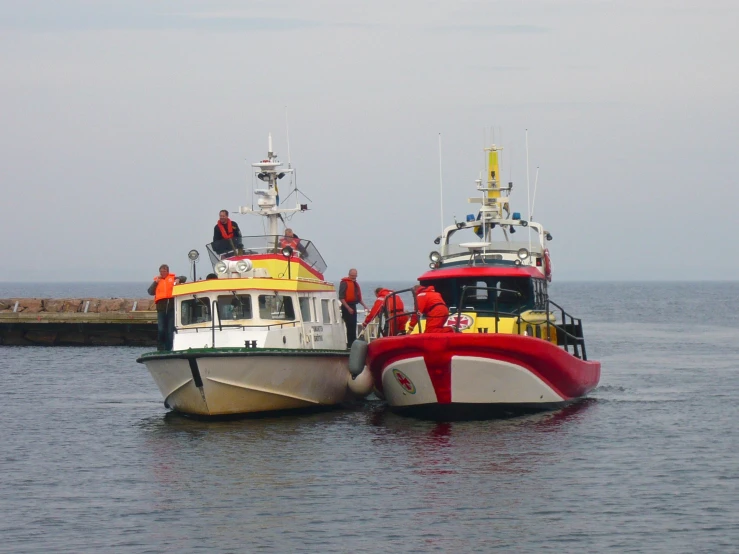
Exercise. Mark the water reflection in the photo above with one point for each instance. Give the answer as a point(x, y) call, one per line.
point(514, 445)
point(284, 466)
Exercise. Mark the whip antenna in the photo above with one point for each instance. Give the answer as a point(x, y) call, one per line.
point(287, 135)
point(441, 189)
point(533, 200)
point(528, 188)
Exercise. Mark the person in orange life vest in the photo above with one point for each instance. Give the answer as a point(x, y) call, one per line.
point(226, 234)
point(292, 240)
point(350, 295)
point(395, 307)
point(161, 290)
point(432, 305)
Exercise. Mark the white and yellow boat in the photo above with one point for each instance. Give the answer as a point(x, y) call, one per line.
point(266, 334)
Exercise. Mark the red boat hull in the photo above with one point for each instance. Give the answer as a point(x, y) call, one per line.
point(441, 374)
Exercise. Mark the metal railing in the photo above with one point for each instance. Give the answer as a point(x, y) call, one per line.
point(496, 312)
point(264, 244)
point(566, 338)
point(215, 310)
point(569, 333)
point(385, 319)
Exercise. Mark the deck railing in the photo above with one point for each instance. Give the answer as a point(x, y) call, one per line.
point(569, 332)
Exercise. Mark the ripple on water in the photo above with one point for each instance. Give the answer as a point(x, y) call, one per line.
point(91, 461)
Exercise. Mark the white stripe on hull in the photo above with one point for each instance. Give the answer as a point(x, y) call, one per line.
point(473, 381)
point(420, 390)
point(487, 381)
point(250, 384)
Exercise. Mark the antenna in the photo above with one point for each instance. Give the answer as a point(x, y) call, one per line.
point(528, 201)
point(293, 176)
point(287, 133)
point(528, 189)
point(533, 200)
point(441, 189)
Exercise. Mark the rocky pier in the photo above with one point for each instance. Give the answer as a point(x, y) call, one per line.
point(78, 322)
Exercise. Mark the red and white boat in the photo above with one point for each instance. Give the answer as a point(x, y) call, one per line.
point(513, 349)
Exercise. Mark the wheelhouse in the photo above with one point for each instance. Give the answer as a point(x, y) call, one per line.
point(488, 291)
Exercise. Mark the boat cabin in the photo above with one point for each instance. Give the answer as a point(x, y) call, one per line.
point(260, 296)
point(489, 290)
point(490, 298)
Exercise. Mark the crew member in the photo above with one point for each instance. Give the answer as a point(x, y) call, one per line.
point(432, 305)
point(292, 240)
point(396, 325)
point(226, 234)
point(350, 295)
point(161, 290)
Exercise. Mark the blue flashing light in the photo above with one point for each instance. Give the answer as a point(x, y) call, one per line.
point(470, 217)
point(516, 215)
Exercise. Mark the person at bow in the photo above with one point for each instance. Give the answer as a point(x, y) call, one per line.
point(395, 320)
point(430, 304)
point(161, 290)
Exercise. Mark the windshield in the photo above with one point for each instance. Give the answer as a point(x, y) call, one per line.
point(266, 244)
point(511, 294)
point(515, 241)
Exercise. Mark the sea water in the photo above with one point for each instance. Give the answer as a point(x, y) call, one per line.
point(91, 460)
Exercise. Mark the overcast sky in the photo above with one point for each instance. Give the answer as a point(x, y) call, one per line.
point(125, 126)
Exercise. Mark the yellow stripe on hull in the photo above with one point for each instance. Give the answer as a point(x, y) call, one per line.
point(236, 283)
point(533, 324)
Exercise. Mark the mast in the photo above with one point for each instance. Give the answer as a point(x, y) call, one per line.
point(493, 202)
point(269, 171)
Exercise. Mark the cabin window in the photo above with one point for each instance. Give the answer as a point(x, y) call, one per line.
point(515, 294)
point(540, 295)
point(481, 294)
point(232, 306)
point(276, 306)
point(195, 311)
point(304, 302)
point(326, 311)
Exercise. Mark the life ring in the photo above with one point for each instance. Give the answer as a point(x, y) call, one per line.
point(547, 265)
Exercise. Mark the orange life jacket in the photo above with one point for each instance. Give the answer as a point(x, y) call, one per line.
point(224, 233)
point(395, 305)
point(353, 292)
point(292, 242)
point(395, 308)
point(164, 287)
point(432, 305)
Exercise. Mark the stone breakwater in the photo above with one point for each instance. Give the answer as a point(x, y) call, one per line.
point(75, 305)
point(78, 322)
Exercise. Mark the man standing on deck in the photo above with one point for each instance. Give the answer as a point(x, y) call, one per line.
point(396, 321)
point(161, 290)
point(226, 234)
point(350, 295)
point(432, 305)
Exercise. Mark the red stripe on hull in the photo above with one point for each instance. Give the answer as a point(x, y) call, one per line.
point(568, 376)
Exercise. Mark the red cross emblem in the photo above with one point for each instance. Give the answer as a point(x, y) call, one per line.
point(404, 382)
point(465, 321)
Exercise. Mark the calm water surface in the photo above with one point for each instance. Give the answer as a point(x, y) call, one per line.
point(91, 460)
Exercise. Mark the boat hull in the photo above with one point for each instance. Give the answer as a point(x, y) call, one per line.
point(228, 382)
point(471, 375)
